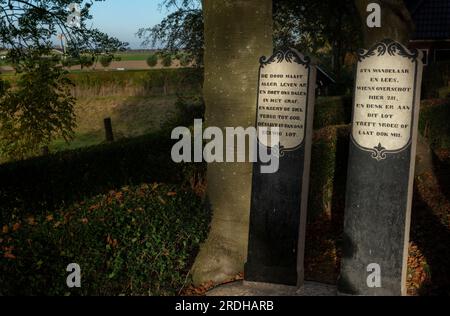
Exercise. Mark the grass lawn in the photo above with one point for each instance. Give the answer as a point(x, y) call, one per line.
point(131, 116)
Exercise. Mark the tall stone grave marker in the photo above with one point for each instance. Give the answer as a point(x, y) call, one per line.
point(286, 95)
point(381, 170)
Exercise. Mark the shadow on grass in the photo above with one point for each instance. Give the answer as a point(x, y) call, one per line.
point(45, 183)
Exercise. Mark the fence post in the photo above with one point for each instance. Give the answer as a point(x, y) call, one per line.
point(108, 130)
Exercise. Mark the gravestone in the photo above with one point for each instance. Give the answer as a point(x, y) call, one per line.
point(381, 170)
point(286, 93)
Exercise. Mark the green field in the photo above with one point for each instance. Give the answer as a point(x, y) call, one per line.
point(131, 116)
point(137, 101)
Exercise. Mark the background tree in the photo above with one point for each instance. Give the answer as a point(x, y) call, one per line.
point(86, 61)
point(28, 29)
point(396, 21)
point(180, 31)
point(152, 60)
point(37, 110)
point(27, 26)
point(327, 29)
point(233, 47)
point(167, 60)
point(106, 60)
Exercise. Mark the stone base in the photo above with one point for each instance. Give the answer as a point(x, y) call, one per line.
point(245, 288)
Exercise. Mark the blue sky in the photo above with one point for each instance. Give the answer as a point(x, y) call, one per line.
point(123, 18)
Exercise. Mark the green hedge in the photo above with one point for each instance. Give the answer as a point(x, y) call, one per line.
point(45, 182)
point(152, 60)
point(435, 77)
point(139, 240)
point(329, 156)
point(332, 111)
point(434, 122)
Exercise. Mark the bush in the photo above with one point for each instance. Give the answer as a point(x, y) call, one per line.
point(184, 59)
point(106, 60)
point(332, 111)
point(435, 76)
point(86, 61)
point(152, 60)
point(329, 156)
point(167, 60)
point(44, 183)
point(69, 61)
point(137, 241)
point(433, 122)
point(188, 109)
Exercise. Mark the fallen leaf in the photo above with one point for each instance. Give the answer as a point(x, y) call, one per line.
point(9, 255)
point(16, 227)
point(31, 220)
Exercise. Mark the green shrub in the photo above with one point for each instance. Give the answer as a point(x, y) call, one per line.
point(69, 61)
point(152, 60)
point(105, 60)
point(434, 122)
point(435, 76)
point(184, 59)
point(167, 60)
point(329, 155)
point(332, 111)
point(86, 61)
point(44, 183)
point(139, 240)
point(188, 109)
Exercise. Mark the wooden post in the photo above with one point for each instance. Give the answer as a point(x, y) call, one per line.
point(108, 130)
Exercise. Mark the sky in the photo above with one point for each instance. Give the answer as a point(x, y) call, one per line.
point(123, 18)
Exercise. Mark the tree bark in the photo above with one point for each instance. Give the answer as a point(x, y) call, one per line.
point(237, 34)
point(396, 22)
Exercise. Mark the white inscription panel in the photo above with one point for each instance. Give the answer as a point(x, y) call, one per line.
point(384, 98)
point(282, 97)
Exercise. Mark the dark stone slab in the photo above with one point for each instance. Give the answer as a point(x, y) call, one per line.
point(278, 202)
point(381, 171)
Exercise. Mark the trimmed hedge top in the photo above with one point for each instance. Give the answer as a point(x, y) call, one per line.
point(44, 183)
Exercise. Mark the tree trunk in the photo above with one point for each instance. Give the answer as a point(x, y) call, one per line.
point(396, 22)
point(237, 34)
